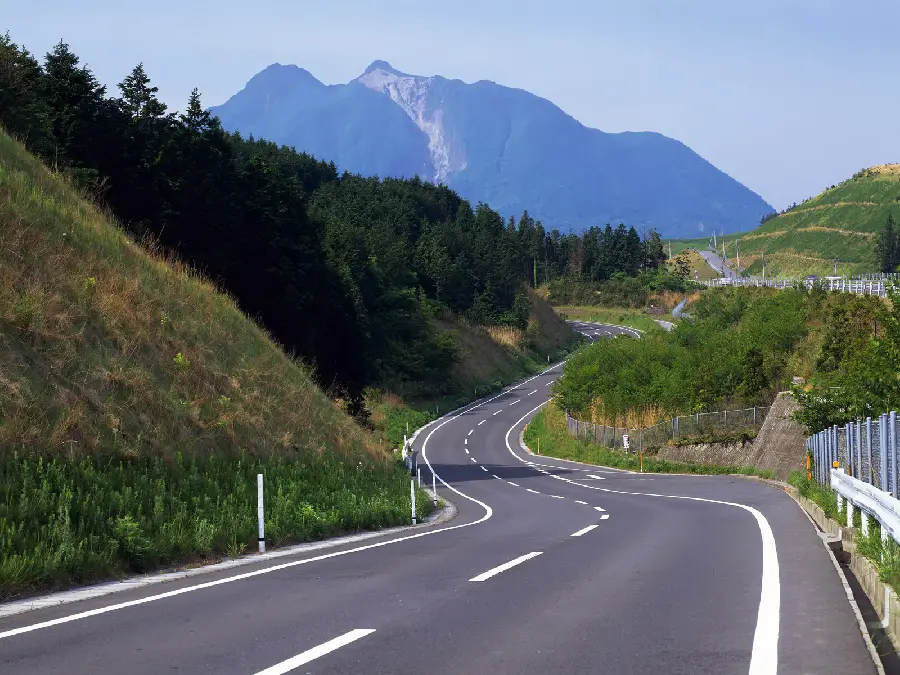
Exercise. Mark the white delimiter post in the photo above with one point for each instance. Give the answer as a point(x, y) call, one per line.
point(412, 498)
point(261, 513)
point(434, 488)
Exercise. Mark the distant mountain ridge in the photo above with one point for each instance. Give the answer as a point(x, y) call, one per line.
point(491, 143)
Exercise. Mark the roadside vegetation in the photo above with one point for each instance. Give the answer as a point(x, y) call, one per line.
point(547, 432)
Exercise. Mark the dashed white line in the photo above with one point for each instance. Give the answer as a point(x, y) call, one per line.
point(483, 469)
point(531, 392)
point(534, 491)
point(482, 422)
point(597, 508)
point(556, 496)
point(514, 402)
point(497, 413)
point(467, 450)
point(513, 484)
point(605, 516)
point(578, 501)
point(506, 566)
point(470, 432)
point(465, 441)
point(590, 475)
point(495, 476)
point(585, 530)
point(472, 458)
point(316, 652)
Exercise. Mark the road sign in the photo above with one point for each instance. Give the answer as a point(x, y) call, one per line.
point(625, 441)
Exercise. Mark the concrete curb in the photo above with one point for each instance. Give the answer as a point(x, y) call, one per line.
point(438, 517)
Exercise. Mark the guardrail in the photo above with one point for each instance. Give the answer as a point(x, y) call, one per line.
point(683, 426)
point(861, 286)
point(859, 462)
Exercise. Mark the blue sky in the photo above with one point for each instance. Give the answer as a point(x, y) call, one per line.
point(787, 96)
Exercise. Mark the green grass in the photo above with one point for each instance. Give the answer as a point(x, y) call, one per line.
point(137, 404)
point(634, 318)
point(842, 222)
point(549, 426)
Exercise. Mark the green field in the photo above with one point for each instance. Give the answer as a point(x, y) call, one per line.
point(839, 226)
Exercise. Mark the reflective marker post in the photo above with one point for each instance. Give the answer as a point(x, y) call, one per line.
point(260, 513)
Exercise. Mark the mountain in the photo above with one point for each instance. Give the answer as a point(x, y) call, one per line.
point(491, 143)
point(842, 224)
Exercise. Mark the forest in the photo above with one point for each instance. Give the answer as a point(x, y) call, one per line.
point(344, 271)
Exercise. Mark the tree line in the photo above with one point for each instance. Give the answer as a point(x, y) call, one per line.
point(343, 270)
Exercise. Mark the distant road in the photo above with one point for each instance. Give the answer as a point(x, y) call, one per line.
point(715, 261)
point(549, 567)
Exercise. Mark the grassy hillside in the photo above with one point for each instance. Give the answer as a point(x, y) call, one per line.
point(843, 222)
point(137, 405)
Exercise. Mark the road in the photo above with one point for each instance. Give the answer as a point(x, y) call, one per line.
point(715, 261)
point(549, 567)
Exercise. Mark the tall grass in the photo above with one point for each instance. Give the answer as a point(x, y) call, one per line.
point(65, 521)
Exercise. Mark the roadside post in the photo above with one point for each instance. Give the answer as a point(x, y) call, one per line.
point(413, 464)
point(419, 475)
point(260, 513)
point(434, 488)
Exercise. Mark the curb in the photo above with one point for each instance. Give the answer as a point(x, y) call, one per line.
point(440, 516)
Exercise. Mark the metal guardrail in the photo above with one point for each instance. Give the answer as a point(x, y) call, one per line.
point(683, 426)
point(865, 452)
point(858, 286)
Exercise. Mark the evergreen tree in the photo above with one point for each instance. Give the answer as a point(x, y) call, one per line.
point(888, 247)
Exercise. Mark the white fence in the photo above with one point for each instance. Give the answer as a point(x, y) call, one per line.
point(858, 285)
point(866, 476)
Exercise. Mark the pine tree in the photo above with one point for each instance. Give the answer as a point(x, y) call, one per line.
point(888, 247)
point(138, 97)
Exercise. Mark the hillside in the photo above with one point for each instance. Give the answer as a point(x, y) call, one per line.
point(493, 144)
point(843, 222)
point(137, 404)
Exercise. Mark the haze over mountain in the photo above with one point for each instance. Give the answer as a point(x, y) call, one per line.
point(491, 143)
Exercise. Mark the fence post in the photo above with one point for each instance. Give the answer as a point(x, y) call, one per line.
point(754, 417)
point(871, 476)
point(892, 441)
point(883, 445)
point(857, 448)
point(849, 440)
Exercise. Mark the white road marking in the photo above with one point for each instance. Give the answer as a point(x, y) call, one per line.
point(483, 469)
point(585, 530)
point(534, 491)
point(578, 501)
point(590, 475)
point(513, 484)
point(532, 392)
point(482, 422)
point(545, 472)
point(465, 441)
point(472, 458)
point(764, 654)
point(514, 402)
point(605, 516)
point(495, 476)
point(467, 450)
point(506, 566)
point(497, 413)
point(599, 508)
point(316, 652)
point(556, 496)
point(470, 432)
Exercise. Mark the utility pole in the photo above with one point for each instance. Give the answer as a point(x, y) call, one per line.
point(715, 243)
point(723, 245)
point(670, 249)
point(737, 245)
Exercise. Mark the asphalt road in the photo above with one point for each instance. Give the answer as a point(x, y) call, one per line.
point(549, 567)
point(715, 261)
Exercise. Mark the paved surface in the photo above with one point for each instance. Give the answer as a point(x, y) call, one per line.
point(549, 567)
point(715, 261)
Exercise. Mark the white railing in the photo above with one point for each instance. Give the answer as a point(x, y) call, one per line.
point(871, 502)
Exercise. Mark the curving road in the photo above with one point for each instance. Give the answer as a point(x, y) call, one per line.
point(549, 567)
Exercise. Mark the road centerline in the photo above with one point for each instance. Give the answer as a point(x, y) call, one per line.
point(316, 652)
point(505, 566)
point(584, 530)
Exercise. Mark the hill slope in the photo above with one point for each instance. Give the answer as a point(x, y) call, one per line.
point(494, 144)
point(137, 405)
point(843, 222)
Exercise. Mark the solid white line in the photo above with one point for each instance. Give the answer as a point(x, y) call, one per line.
point(482, 422)
point(513, 484)
point(598, 508)
point(585, 530)
point(483, 469)
point(316, 652)
point(506, 566)
point(578, 501)
point(764, 654)
point(534, 491)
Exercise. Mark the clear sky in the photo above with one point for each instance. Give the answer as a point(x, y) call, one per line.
point(787, 96)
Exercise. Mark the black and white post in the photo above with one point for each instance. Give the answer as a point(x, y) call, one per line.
point(412, 497)
point(434, 488)
point(261, 513)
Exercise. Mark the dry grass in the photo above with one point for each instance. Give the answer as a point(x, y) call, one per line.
point(507, 336)
point(105, 347)
point(819, 228)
